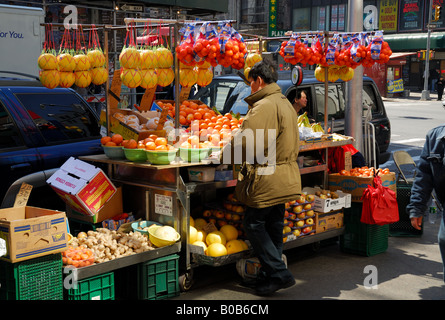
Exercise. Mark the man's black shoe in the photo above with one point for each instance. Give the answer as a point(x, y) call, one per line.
point(269, 287)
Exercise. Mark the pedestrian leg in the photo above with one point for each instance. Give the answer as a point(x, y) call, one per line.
point(441, 238)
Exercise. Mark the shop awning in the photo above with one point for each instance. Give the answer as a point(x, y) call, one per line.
point(398, 55)
point(415, 41)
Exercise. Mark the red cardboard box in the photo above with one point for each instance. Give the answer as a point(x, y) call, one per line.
point(84, 187)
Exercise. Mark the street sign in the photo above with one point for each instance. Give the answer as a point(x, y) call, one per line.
point(131, 7)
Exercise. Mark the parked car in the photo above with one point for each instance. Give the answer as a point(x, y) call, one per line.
point(227, 94)
point(40, 129)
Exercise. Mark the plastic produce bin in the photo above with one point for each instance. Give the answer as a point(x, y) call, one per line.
point(35, 279)
point(100, 287)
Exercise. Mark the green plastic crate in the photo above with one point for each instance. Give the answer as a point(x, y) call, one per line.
point(35, 279)
point(403, 227)
point(99, 287)
point(158, 279)
point(361, 238)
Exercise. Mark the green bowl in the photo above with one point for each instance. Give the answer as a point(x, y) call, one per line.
point(138, 155)
point(116, 153)
point(140, 225)
point(193, 155)
point(161, 157)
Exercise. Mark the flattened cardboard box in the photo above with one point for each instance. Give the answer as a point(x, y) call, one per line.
point(31, 232)
point(82, 186)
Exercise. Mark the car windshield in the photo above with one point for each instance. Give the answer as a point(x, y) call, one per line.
point(225, 94)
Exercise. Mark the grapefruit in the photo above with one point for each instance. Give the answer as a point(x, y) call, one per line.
point(201, 244)
point(200, 223)
point(201, 235)
point(192, 234)
point(216, 237)
point(216, 250)
point(234, 246)
point(229, 231)
point(192, 221)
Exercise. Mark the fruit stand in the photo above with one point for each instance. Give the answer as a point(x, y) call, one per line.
point(165, 179)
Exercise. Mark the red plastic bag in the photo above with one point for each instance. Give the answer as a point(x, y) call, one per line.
point(379, 204)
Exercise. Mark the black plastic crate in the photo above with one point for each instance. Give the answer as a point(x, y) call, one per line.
point(403, 227)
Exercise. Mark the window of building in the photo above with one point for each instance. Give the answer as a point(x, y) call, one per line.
point(253, 11)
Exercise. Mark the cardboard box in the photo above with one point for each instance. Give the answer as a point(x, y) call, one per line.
point(84, 187)
point(357, 185)
point(329, 204)
point(125, 130)
point(328, 221)
point(31, 232)
point(111, 208)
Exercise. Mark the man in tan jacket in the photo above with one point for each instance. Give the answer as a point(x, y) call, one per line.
point(267, 146)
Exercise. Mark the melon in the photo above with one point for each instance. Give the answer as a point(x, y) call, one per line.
point(66, 62)
point(131, 77)
point(129, 58)
point(99, 75)
point(49, 78)
point(47, 61)
point(66, 79)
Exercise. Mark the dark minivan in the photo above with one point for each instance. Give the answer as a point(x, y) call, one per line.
point(227, 94)
point(40, 129)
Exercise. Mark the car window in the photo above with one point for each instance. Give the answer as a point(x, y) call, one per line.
point(216, 93)
point(237, 97)
point(9, 134)
point(60, 117)
point(336, 104)
point(369, 98)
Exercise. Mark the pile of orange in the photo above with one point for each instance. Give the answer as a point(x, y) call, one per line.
point(78, 257)
point(364, 172)
point(152, 143)
point(113, 141)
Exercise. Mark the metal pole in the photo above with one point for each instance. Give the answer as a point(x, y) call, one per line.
point(425, 92)
point(354, 88)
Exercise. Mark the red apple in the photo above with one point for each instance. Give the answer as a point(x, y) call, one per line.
point(310, 198)
point(301, 199)
point(307, 206)
point(306, 229)
point(297, 209)
point(310, 213)
point(301, 215)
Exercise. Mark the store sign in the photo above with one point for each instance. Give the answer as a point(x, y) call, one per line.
point(411, 15)
point(388, 15)
point(273, 14)
point(394, 86)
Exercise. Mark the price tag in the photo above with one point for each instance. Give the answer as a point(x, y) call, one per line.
point(23, 195)
point(163, 205)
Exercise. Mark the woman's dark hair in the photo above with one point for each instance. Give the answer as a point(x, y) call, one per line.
point(264, 69)
point(299, 92)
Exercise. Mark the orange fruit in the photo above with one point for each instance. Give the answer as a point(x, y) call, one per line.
point(153, 136)
point(161, 141)
point(117, 138)
point(161, 147)
point(150, 145)
point(131, 144)
point(105, 139)
point(110, 144)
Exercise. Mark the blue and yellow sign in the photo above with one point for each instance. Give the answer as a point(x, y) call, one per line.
point(394, 86)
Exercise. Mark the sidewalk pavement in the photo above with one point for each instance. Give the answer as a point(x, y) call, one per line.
point(413, 96)
point(410, 269)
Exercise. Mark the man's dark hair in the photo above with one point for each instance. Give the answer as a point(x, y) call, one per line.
point(264, 69)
